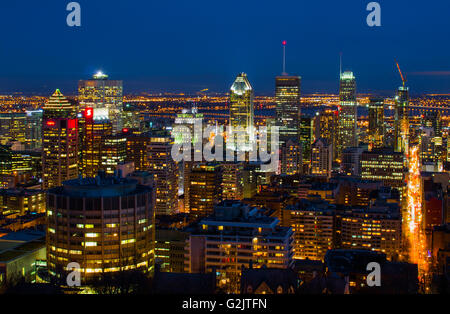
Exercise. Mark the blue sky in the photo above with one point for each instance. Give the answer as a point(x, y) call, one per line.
point(181, 45)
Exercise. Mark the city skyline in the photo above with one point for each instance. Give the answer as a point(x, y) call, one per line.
point(147, 42)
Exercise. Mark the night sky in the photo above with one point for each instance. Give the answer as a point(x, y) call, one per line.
point(182, 45)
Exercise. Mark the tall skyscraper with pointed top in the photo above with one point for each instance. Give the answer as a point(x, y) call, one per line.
point(347, 112)
point(59, 141)
point(287, 99)
point(241, 114)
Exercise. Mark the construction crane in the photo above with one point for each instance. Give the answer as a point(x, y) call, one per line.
point(401, 75)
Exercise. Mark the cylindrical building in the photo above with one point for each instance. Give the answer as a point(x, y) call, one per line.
point(105, 224)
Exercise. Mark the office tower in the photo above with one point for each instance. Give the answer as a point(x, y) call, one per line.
point(131, 117)
point(205, 188)
point(313, 224)
point(59, 141)
point(114, 152)
point(347, 112)
point(377, 228)
point(306, 139)
point(428, 150)
point(105, 224)
point(326, 127)
point(164, 170)
point(291, 160)
point(383, 165)
point(237, 235)
point(376, 122)
point(233, 180)
point(96, 129)
point(12, 127)
point(321, 158)
point(137, 150)
point(33, 131)
point(351, 161)
point(401, 120)
point(287, 98)
point(241, 114)
point(100, 92)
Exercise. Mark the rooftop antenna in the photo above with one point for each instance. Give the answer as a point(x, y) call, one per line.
point(340, 64)
point(284, 58)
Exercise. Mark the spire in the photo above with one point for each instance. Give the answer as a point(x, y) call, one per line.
point(284, 58)
point(340, 64)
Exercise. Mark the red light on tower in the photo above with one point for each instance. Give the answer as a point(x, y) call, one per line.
point(284, 42)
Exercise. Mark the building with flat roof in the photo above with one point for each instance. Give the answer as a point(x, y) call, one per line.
point(237, 235)
point(106, 224)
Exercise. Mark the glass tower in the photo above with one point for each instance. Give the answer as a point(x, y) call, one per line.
point(347, 111)
point(401, 122)
point(241, 113)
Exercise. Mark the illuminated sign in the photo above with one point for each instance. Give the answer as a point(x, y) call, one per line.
point(89, 113)
point(51, 123)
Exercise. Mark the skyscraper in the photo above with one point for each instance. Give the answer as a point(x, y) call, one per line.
point(97, 128)
point(241, 113)
point(106, 225)
point(347, 111)
point(376, 122)
point(287, 99)
point(164, 170)
point(99, 92)
point(401, 120)
point(59, 141)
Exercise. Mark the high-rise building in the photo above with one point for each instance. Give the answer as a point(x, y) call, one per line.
point(105, 224)
point(131, 117)
point(233, 180)
point(33, 131)
point(401, 120)
point(376, 123)
point(205, 188)
point(306, 140)
point(377, 228)
point(241, 114)
point(13, 127)
point(313, 224)
point(287, 98)
point(96, 129)
point(59, 141)
point(321, 158)
point(236, 235)
point(326, 127)
point(114, 152)
point(164, 170)
point(347, 112)
point(100, 92)
point(383, 165)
